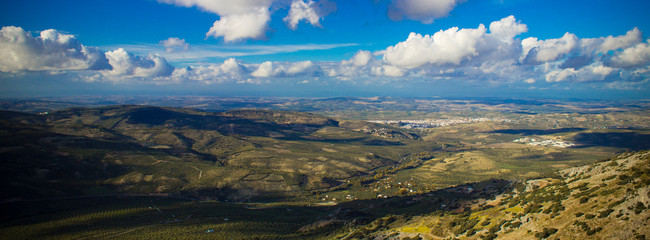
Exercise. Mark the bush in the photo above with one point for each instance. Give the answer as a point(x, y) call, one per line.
point(490, 236)
point(413, 238)
point(547, 232)
point(533, 208)
point(515, 224)
point(605, 213)
point(438, 231)
point(471, 232)
point(466, 225)
point(639, 207)
point(593, 231)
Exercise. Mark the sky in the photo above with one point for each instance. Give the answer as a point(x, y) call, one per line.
point(323, 48)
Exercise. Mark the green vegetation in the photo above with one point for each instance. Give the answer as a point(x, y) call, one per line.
point(547, 211)
point(148, 172)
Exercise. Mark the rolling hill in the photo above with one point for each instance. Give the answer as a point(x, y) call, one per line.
point(209, 155)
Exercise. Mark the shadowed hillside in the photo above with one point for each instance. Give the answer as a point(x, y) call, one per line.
point(143, 149)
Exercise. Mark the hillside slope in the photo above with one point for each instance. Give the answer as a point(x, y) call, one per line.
point(209, 155)
point(605, 200)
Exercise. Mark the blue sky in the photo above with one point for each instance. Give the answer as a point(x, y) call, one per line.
point(307, 48)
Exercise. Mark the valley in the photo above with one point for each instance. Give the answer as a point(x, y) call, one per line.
point(321, 168)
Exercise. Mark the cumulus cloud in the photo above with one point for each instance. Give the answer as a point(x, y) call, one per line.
point(264, 70)
point(507, 28)
point(476, 53)
point(309, 11)
point(361, 58)
point(492, 54)
point(51, 50)
point(613, 43)
point(229, 70)
point(635, 56)
point(270, 69)
point(449, 46)
point(174, 44)
point(387, 70)
point(537, 51)
point(125, 63)
point(454, 45)
point(593, 72)
point(241, 26)
point(248, 19)
point(424, 11)
point(361, 64)
point(56, 51)
point(241, 19)
point(300, 68)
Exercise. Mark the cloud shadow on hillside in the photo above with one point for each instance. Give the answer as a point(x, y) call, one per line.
point(528, 132)
point(628, 140)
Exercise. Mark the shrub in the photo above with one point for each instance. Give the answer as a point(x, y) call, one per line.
point(471, 232)
point(547, 232)
point(533, 208)
point(490, 236)
point(639, 207)
point(466, 225)
point(515, 224)
point(413, 238)
point(605, 213)
point(593, 231)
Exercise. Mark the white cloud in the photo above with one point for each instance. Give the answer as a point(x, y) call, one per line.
point(361, 58)
point(301, 67)
point(208, 52)
point(52, 50)
point(57, 52)
point(635, 56)
point(629, 39)
point(221, 7)
point(302, 10)
point(489, 55)
point(507, 28)
point(174, 44)
point(454, 46)
point(270, 69)
point(248, 19)
point(591, 47)
point(240, 19)
point(450, 46)
point(593, 72)
point(241, 26)
point(537, 51)
point(310, 11)
point(499, 54)
point(359, 65)
point(264, 70)
point(229, 70)
point(387, 70)
point(127, 64)
point(424, 11)
point(561, 75)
